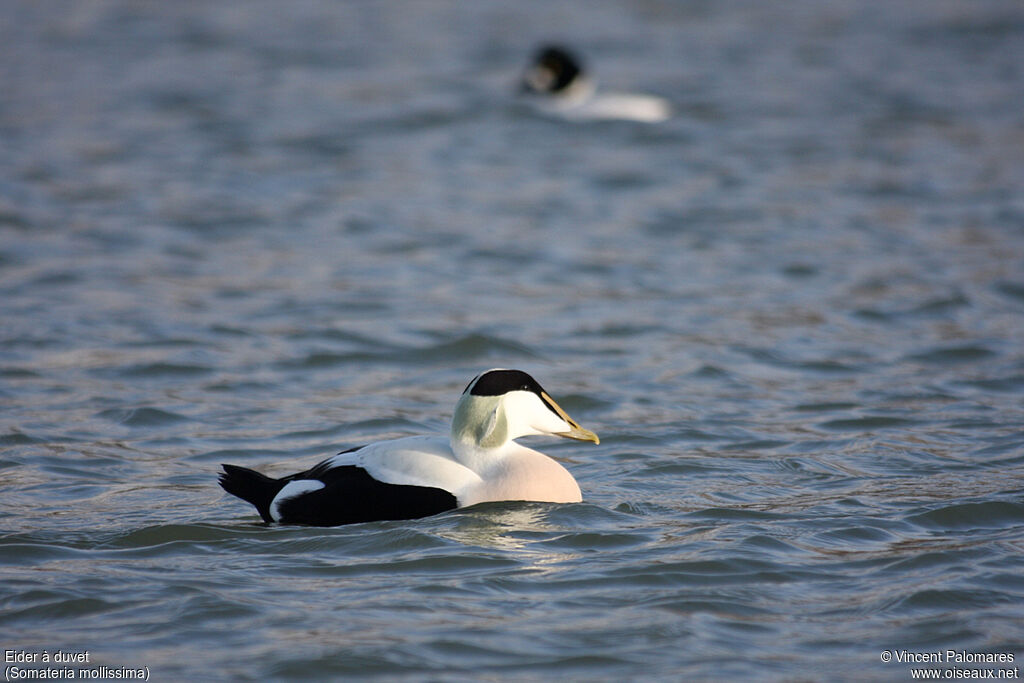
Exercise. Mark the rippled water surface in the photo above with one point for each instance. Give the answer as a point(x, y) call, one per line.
point(261, 233)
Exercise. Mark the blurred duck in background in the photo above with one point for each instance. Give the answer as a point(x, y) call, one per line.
point(555, 83)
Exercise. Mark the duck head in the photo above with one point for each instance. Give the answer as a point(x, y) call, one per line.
point(501, 405)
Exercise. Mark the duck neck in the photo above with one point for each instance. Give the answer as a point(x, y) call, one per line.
point(580, 89)
point(479, 428)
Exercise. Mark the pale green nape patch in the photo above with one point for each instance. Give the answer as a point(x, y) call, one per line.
point(479, 420)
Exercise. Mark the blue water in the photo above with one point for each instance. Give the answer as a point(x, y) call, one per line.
point(260, 233)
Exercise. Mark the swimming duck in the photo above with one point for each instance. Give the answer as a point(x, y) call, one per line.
point(418, 476)
point(557, 84)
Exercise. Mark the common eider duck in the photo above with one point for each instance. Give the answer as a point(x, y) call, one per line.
point(417, 476)
point(556, 84)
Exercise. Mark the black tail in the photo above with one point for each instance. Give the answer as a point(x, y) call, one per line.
point(251, 486)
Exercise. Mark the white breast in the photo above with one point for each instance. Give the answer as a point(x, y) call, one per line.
point(524, 474)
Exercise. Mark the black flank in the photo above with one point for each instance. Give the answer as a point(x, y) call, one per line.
point(349, 495)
